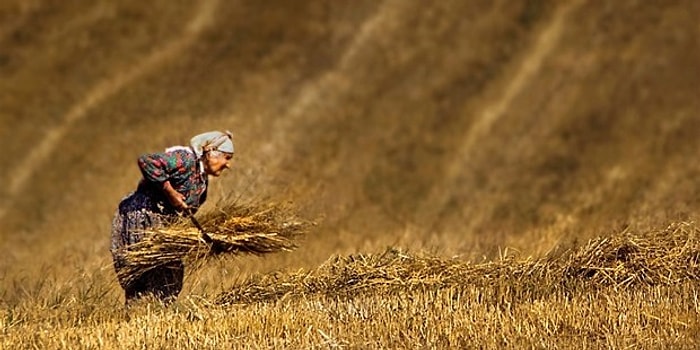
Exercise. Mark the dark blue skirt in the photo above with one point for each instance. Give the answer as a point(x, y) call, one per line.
point(138, 212)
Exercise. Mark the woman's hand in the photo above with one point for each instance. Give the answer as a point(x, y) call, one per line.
point(175, 198)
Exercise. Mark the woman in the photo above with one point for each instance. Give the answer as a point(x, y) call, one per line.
point(174, 182)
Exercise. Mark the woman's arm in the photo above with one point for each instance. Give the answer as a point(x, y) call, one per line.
point(158, 168)
point(175, 198)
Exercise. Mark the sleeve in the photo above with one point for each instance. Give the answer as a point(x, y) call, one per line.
point(159, 167)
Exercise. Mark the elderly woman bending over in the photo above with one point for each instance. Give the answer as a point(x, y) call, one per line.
point(173, 182)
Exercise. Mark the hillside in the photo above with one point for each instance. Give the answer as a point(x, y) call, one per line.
point(455, 127)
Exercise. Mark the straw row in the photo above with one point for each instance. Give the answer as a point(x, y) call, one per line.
point(662, 257)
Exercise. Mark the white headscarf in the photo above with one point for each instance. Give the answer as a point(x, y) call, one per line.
point(212, 141)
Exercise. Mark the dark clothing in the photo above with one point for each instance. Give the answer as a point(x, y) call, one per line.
point(147, 208)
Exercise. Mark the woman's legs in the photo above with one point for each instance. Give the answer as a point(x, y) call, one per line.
point(163, 282)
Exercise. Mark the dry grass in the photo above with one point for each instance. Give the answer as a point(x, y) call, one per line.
point(233, 229)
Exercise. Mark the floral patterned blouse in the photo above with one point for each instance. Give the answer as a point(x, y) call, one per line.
point(181, 167)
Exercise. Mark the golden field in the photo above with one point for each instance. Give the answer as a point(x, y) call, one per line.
point(484, 174)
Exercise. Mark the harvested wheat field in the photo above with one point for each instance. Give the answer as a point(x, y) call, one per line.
point(408, 174)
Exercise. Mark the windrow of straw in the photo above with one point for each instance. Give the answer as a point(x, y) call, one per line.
point(624, 259)
point(235, 229)
point(662, 257)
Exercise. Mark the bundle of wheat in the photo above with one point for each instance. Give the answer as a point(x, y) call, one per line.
point(234, 229)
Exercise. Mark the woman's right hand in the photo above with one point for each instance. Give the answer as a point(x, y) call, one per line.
point(175, 198)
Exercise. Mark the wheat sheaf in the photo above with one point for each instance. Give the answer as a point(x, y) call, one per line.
point(234, 229)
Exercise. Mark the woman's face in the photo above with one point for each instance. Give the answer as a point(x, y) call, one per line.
point(216, 162)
